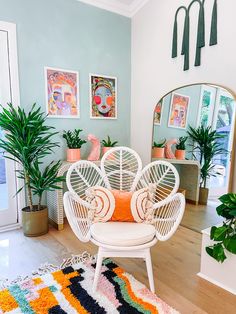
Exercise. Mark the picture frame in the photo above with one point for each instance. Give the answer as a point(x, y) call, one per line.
point(158, 112)
point(103, 97)
point(206, 105)
point(178, 114)
point(62, 93)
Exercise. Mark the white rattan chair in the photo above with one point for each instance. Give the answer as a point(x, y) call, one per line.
point(121, 169)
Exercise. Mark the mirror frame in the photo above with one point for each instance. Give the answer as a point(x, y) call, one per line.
point(233, 155)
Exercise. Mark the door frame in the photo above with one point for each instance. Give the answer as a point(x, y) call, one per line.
point(10, 28)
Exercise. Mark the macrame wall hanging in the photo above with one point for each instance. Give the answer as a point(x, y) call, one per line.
point(200, 32)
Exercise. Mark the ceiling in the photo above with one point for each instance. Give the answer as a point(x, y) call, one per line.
point(124, 7)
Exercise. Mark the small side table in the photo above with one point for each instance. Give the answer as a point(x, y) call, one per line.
point(55, 199)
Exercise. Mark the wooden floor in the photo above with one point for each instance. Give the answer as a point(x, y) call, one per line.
point(175, 262)
point(199, 217)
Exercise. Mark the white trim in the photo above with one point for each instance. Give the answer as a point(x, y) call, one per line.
point(217, 283)
point(117, 7)
point(10, 227)
point(15, 99)
point(90, 97)
point(46, 93)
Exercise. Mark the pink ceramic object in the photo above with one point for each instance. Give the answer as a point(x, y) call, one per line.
point(96, 148)
point(73, 154)
point(158, 152)
point(180, 154)
point(168, 151)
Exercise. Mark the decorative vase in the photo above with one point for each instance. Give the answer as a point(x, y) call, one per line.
point(73, 154)
point(203, 196)
point(96, 148)
point(158, 152)
point(168, 148)
point(180, 154)
point(35, 223)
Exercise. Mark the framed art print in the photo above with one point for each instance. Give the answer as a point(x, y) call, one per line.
point(178, 111)
point(103, 97)
point(158, 113)
point(206, 105)
point(62, 93)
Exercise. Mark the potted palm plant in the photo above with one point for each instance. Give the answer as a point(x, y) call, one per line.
point(181, 148)
point(205, 147)
point(108, 144)
point(158, 149)
point(27, 141)
point(74, 144)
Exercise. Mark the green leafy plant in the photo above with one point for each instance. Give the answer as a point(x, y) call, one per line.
point(109, 143)
point(73, 139)
point(205, 148)
point(27, 141)
point(160, 145)
point(181, 143)
point(225, 235)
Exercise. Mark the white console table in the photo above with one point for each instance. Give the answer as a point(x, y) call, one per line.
point(55, 199)
point(189, 173)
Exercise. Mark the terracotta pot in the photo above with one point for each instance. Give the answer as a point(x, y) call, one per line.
point(203, 196)
point(35, 223)
point(158, 152)
point(106, 149)
point(180, 154)
point(73, 154)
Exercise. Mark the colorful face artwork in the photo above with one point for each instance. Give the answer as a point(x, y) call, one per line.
point(103, 97)
point(178, 111)
point(62, 93)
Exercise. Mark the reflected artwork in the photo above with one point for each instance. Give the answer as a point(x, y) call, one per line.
point(178, 111)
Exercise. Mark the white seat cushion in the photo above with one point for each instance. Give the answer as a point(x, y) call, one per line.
point(122, 233)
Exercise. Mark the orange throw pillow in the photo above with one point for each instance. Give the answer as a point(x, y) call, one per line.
point(122, 211)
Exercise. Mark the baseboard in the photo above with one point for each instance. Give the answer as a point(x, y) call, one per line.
point(10, 227)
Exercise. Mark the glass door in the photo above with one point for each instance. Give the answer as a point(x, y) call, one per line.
point(224, 124)
point(8, 201)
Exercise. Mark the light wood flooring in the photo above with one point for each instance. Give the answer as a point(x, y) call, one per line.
point(199, 217)
point(175, 263)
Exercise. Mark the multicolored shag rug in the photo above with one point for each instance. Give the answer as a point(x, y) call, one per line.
point(68, 289)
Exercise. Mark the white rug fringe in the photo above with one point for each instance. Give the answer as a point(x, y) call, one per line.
point(48, 268)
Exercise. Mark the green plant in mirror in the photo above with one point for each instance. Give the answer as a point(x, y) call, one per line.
point(73, 139)
point(181, 145)
point(27, 141)
point(225, 235)
point(160, 145)
point(205, 147)
point(109, 143)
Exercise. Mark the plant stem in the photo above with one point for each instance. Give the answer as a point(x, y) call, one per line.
point(27, 181)
point(39, 203)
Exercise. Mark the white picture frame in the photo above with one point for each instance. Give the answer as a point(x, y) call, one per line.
point(71, 88)
point(112, 80)
point(184, 101)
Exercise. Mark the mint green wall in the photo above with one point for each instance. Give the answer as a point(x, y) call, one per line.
point(163, 131)
point(71, 35)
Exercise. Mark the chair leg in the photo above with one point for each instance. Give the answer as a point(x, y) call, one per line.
point(149, 270)
point(97, 270)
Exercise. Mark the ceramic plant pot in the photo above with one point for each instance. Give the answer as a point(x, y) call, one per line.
point(35, 223)
point(203, 195)
point(73, 154)
point(158, 152)
point(106, 149)
point(180, 154)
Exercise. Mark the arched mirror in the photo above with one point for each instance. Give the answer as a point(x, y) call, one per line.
point(193, 128)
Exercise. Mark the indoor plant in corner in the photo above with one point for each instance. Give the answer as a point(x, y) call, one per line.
point(74, 144)
point(181, 148)
point(108, 144)
point(205, 148)
point(27, 141)
point(158, 149)
point(225, 235)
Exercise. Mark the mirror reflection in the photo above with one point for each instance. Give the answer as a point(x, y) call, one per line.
point(193, 128)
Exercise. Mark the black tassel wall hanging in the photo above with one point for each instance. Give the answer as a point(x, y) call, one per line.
point(200, 32)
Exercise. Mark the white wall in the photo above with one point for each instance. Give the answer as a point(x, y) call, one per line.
point(155, 73)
